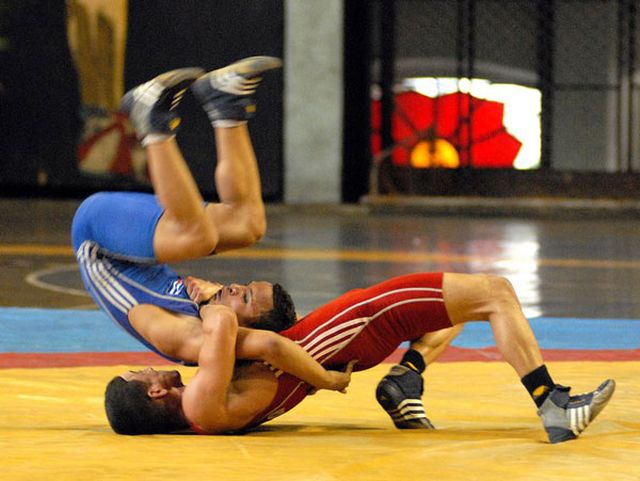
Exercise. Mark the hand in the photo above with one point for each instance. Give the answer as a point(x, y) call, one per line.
point(340, 380)
point(200, 290)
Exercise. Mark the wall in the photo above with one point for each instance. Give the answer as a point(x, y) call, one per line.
point(313, 100)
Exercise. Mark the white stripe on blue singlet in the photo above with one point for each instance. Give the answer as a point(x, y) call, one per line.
point(103, 281)
point(114, 285)
point(102, 287)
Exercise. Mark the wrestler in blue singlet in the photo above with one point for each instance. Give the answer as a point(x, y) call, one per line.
point(112, 236)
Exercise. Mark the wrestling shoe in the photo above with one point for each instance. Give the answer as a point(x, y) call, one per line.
point(400, 394)
point(565, 417)
point(151, 105)
point(226, 94)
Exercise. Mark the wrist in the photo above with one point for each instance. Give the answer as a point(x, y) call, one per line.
point(327, 380)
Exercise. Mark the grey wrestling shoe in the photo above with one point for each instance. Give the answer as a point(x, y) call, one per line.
point(226, 94)
point(565, 417)
point(151, 105)
point(400, 394)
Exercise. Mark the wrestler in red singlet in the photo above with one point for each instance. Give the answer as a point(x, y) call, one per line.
point(363, 324)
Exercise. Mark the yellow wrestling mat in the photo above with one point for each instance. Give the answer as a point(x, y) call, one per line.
point(52, 427)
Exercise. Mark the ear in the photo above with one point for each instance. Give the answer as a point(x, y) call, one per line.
point(156, 391)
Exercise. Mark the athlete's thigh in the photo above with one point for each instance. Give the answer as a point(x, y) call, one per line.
point(467, 297)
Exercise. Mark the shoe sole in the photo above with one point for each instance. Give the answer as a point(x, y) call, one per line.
point(253, 65)
point(601, 397)
point(247, 67)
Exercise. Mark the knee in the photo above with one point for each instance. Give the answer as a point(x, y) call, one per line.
point(253, 231)
point(257, 229)
point(500, 292)
point(257, 223)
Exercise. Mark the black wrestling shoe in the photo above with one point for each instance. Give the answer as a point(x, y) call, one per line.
point(151, 105)
point(400, 394)
point(226, 94)
point(565, 417)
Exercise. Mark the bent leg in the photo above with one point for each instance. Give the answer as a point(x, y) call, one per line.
point(433, 344)
point(184, 231)
point(470, 297)
point(226, 95)
point(240, 216)
point(482, 297)
point(188, 229)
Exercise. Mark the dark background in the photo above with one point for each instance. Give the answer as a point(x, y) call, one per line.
point(212, 34)
point(40, 99)
point(584, 57)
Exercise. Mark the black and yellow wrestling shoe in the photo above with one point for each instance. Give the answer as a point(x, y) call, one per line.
point(565, 417)
point(226, 94)
point(151, 106)
point(400, 394)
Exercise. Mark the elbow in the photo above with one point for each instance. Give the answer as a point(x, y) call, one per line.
point(271, 348)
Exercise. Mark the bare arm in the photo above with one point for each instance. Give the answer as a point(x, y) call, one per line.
point(211, 400)
point(286, 355)
point(181, 337)
point(208, 401)
point(175, 335)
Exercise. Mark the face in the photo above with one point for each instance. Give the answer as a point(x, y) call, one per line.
point(158, 383)
point(248, 301)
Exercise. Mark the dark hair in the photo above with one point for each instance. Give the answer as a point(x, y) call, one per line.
point(283, 314)
point(131, 411)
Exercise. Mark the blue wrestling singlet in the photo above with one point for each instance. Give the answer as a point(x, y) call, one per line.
point(112, 235)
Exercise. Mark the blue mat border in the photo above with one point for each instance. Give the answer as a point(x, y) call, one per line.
point(32, 330)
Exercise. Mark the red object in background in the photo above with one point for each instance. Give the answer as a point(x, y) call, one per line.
point(109, 146)
point(456, 118)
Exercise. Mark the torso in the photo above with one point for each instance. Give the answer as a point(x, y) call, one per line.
point(113, 235)
point(363, 324)
point(119, 286)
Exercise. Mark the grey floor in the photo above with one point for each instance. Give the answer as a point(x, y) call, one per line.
point(559, 267)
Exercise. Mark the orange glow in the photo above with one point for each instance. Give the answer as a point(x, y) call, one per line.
point(434, 153)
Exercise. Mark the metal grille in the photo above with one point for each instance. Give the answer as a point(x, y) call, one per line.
point(582, 55)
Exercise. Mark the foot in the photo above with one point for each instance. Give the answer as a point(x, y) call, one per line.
point(151, 105)
point(226, 94)
point(565, 417)
point(400, 394)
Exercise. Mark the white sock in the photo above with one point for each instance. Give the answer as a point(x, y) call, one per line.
point(154, 138)
point(227, 123)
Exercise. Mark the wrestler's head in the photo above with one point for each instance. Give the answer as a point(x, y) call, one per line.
point(145, 402)
point(259, 304)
